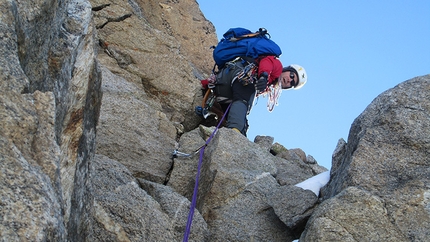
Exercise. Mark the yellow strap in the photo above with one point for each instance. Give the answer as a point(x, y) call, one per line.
point(205, 98)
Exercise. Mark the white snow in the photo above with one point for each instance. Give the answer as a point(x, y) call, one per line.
point(315, 183)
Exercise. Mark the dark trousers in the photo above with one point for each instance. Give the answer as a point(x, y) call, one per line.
point(243, 97)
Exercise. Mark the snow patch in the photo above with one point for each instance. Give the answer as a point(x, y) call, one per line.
point(315, 183)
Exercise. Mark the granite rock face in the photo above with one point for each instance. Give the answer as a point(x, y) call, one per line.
point(50, 101)
point(384, 169)
point(96, 95)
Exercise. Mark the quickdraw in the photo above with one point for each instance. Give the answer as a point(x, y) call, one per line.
point(176, 153)
point(273, 92)
point(247, 75)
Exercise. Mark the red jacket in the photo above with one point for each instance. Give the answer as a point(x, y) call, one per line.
point(271, 65)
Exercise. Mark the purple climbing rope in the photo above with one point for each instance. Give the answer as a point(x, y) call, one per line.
point(196, 185)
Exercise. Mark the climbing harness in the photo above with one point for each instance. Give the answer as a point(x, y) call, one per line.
point(218, 86)
point(196, 185)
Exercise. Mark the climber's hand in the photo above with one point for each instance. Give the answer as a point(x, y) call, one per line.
point(261, 84)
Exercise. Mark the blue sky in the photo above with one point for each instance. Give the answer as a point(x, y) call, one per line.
point(352, 52)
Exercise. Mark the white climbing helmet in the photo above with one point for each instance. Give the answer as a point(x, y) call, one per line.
point(301, 73)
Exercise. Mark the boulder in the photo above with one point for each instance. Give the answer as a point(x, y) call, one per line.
point(238, 195)
point(122, 210)
point(384, 169)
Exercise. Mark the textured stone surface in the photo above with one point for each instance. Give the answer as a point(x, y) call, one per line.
point(122, 210)
point(50, 97)
point(353, 215)
point(177, 208)
point(292, 204)
point(132, 132)
point(30, 208)
point(387, 159)
point(239, 196)
point(163, 47)
point(183, 176)
point(265, 142)
point(129, 72)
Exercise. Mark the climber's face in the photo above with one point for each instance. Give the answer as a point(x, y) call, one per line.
point(288, 79)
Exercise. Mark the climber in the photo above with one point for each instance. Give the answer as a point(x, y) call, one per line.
point(270, 72)
point(248, 66)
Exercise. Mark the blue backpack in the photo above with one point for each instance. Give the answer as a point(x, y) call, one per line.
point(241, 42)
